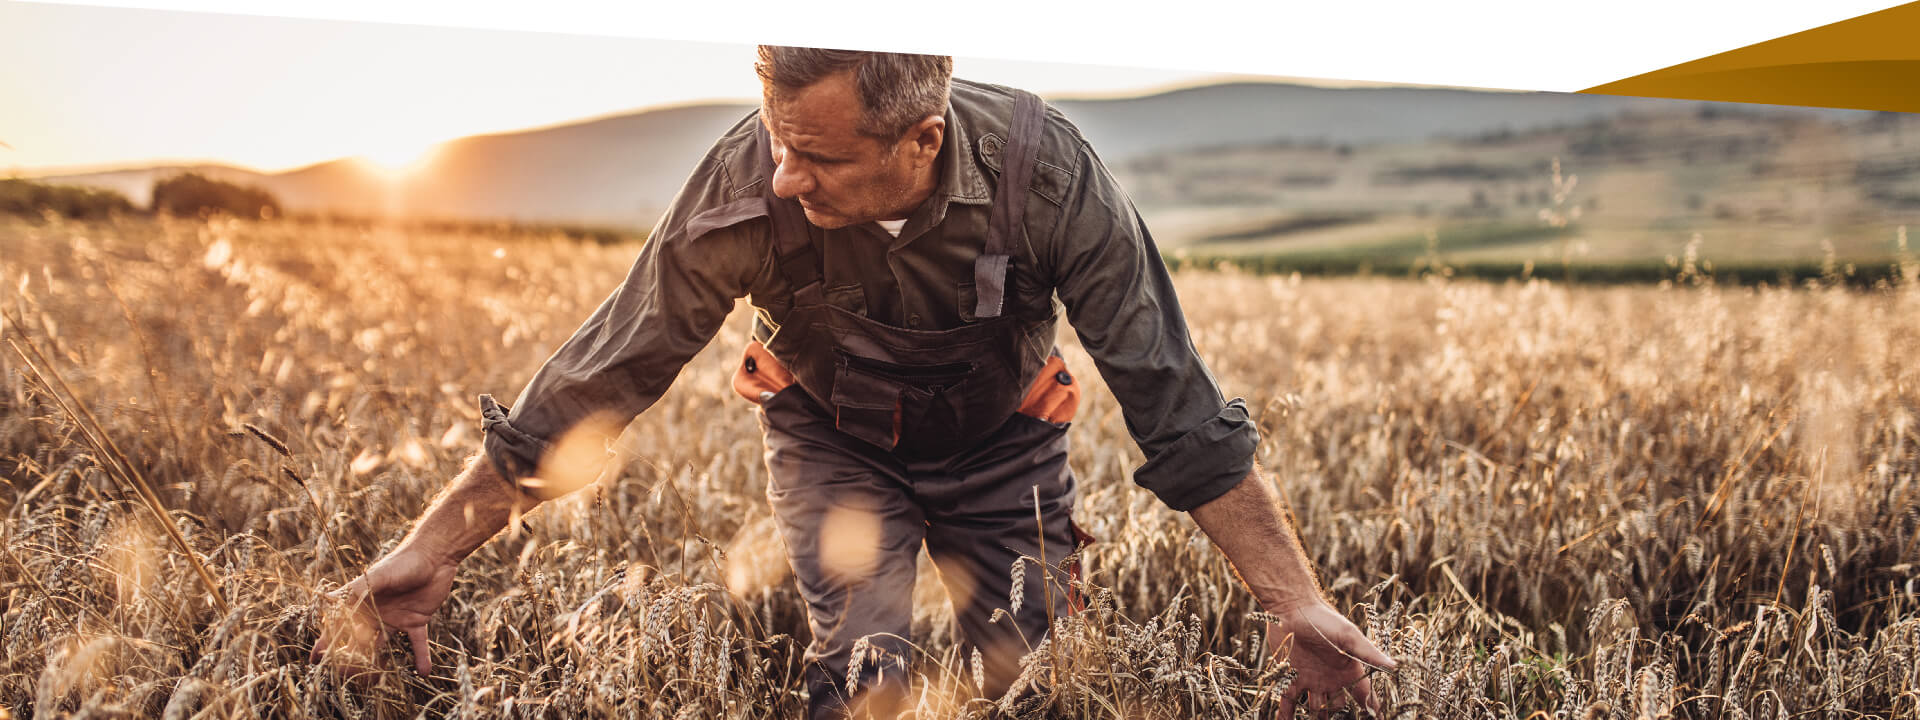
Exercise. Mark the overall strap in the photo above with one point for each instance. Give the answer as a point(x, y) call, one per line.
point(1009, 204)
point(799, 262)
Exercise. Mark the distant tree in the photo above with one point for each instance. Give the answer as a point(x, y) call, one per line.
point(194, 195)
point(26, 197)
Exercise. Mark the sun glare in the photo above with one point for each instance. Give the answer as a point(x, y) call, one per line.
point(398, 161)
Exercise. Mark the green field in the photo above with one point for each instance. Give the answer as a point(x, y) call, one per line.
point(1500, 251)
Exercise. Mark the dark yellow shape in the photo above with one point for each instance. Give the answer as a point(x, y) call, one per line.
point(1871, 62)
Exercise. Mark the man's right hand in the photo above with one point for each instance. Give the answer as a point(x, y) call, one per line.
point(1331, 658)
point(399, 592)
point(403, 589)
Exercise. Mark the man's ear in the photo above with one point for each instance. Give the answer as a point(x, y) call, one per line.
point(924, 139)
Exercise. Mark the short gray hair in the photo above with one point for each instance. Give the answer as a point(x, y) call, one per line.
point(896, 90)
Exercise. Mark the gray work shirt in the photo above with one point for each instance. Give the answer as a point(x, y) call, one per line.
point(1084, 245)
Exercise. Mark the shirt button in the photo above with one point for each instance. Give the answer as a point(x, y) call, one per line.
point(1063, 377)
point(913, 320)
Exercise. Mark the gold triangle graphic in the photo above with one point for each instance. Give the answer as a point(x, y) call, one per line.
point(1871, 62)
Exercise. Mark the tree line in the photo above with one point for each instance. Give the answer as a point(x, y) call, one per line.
point(186, 194)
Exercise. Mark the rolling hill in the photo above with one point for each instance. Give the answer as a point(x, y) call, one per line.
point(623, 170)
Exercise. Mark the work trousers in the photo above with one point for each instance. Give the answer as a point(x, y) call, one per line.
point(854, 517)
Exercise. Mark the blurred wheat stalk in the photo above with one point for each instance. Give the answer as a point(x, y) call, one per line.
point(1686, 501)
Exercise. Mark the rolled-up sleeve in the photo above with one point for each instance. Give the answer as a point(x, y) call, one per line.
point(702, 255)
point(1120, 301)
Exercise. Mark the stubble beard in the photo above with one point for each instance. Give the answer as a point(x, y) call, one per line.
point(892, 195)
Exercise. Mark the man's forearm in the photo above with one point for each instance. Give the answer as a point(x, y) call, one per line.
point(1254, 528)
point(474, 507)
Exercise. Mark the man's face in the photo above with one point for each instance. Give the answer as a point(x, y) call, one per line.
point(840, 176)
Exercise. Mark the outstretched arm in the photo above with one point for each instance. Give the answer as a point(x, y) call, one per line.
point(705, 252)
point(1199, 446)
point(404, 588)
point(1253, 526)
point(473, 508)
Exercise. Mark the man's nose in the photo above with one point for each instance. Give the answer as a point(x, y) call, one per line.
point(789, 179)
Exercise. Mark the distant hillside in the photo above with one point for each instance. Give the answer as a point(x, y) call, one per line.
point(1232, 114)
point(617, 170)
point(623, 170)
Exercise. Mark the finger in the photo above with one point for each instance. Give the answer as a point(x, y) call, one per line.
point(422, 660)
point(1286, 706)
point(340, 601)
point(1364, 650)
point(1339, 700)
point(344, 640)
point(340, 593)
point(1364, 691)
point(329, 637)
point(1317, 702)
point(319, 648)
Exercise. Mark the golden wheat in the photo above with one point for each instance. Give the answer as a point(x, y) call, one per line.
point(1687, 501)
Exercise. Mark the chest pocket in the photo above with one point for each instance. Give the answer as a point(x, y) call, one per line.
point(1049, 181)
point(1028, 293)
point(1027, 296)
point(968, 299)
point(850, 297)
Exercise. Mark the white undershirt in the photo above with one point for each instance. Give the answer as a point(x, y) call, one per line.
point(892, 227)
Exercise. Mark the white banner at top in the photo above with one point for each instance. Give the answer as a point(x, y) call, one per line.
point(1505, 44)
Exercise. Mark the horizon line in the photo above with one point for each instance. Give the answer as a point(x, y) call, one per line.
point(1217, 80)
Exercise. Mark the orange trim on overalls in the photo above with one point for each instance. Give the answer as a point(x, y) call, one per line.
point(759, 375)
point(1053, 396)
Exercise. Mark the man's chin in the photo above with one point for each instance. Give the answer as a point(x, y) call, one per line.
point(825, 221)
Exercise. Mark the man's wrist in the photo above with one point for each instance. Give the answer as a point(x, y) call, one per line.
point(1253, 528)
point(1288, 602)
point(437, 550)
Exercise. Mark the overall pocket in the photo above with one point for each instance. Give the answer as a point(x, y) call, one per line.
point(880, 402)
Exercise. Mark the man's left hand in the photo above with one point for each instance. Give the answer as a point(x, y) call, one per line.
point(1331, 658)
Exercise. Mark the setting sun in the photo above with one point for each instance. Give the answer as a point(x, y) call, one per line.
point(399, 161)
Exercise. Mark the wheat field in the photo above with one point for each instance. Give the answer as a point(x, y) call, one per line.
point(1544, 501)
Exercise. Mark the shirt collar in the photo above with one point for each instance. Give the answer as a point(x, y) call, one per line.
point(960, 181)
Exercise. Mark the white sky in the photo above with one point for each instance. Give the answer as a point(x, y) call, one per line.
point(84, 85)
point(89, 86)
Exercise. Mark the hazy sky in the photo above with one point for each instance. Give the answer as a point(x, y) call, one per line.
point(86, 86)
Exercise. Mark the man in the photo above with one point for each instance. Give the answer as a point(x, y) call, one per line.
point(903, 236)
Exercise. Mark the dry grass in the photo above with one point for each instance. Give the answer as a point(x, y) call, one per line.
point(1608, 503)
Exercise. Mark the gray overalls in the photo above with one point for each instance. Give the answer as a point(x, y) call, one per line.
point(915, 436)
point(918, 428)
